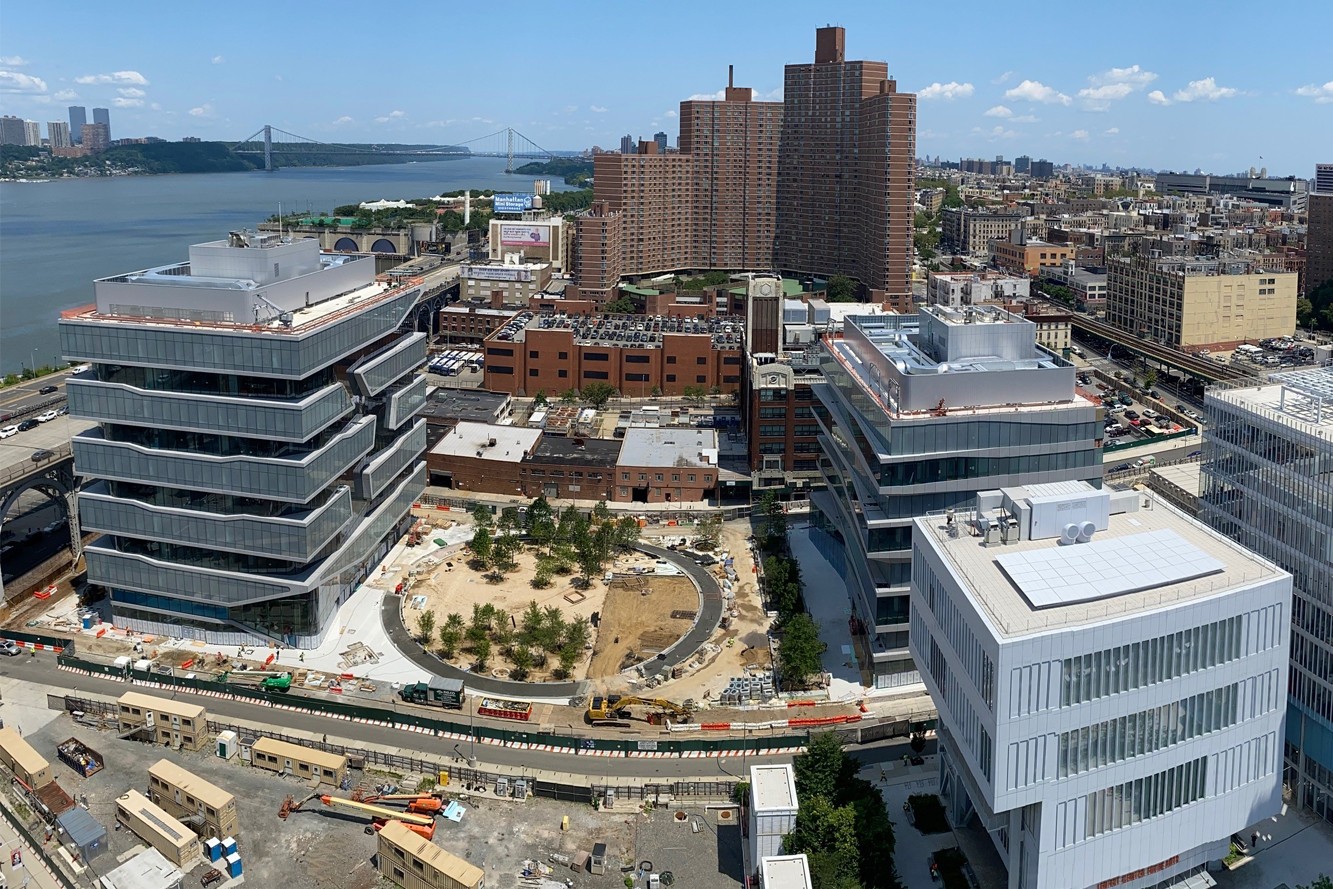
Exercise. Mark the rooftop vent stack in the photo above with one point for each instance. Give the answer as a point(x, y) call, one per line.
point(1070, 535)
point(1085, 531)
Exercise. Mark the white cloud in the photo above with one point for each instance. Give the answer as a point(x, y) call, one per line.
point(1205, 90)
point(569, 109)
point(342, 120)
point(121, 102)
point(64, 95)
point(1036, 91)
point(999, 111)
point(1079, 134)
point(1157, 97)
point(155, 106)
point(1321, 94)
point(1133, 75)
point(597, 109)
point(1024, 118)
point(218, 60)
point(1106, 92)
point(995, 132)
point(204, 110)
point(392, 115)
point(14, 82)
point(1004, 78)
point(13, 61)
point(134, 78)
point(131, 92)
point(708, 97)
point(947, 91)
point(1113, 131)
point(773, 95)
point(671, 113)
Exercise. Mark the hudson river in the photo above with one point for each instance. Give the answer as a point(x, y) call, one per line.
point(56, 237)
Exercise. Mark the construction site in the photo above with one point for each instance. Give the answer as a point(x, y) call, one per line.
point(301, 833)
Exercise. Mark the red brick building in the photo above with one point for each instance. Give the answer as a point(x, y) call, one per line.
point(635, 354)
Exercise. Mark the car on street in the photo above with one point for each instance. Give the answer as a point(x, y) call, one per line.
point(47, 390)
point(9, 648)
point(8, 431)
point(39, 456)
point(46, 416)
point(1132, 415)
point(28, 424)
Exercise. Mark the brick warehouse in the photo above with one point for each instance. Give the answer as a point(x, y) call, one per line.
point(553, 353)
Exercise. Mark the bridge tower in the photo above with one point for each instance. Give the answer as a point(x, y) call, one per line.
point(268, 148)
point(509, 162)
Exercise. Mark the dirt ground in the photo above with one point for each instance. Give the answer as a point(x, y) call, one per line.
point(641, 617)
point(457, 589)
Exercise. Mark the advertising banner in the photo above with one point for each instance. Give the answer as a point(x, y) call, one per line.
point(512, 203)
point(525, 236)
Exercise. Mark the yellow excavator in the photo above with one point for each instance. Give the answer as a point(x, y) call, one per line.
point(613, 708)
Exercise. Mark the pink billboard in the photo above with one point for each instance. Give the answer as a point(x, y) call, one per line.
point(525, 236)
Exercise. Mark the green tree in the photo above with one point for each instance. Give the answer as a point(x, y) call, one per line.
point(522, 660)
point(627, 532)
point(598, 393)
point(569, 656)
point(552, 634)
point(482, 515)
point(708, 533)
point(530, 628)
point(841, 289)
point(800, 651)
point(826, 834)
point(774, 535)
point(569, 396)
point(509, 521)
point(482, 547)
point(621, 305)
point(540, 399)
point(1150, 379)
point(577, 633)
point(1322, 882)
point(823, 767)
point(541, 578)
point(481, 653)
point(426, 625)
point(451, 633)
point(695, 394)
point(503, 553)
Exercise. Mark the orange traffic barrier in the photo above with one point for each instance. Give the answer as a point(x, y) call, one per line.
point(715, 726)
point(800, 703)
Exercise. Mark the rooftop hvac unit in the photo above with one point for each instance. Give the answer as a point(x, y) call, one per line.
point(1070, 535)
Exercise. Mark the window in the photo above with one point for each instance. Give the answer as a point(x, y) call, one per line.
point(595, 375)
point(701, 360)
point(533, 353)
point(701, 378)
point(636, 378)
point(731, 378)
point(731, 359)
point(671, 359)
point(496, 350)
point(636, 359)
point(500, 369)
point(563, 356)
point(532, 371)
point(596, 356)
point(562, 374)
point(671, 378)
point(659, 476)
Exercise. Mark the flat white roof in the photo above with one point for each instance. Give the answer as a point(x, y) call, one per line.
point(471, 439)
point(147, 870)
point(785, 872)
point(669, 446)
point(773, 788)
point(1301, 399)
point(1003, 604)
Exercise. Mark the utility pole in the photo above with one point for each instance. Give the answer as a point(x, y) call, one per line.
point(268, 148)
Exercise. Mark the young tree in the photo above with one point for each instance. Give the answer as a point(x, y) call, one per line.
point(708, 534)
point(482, 547)
point(509, 522)
point(823, 768)
point(800, 651)
point(600, 512)
point(627, 532)
point(569, 656)
point(426, 625)
point(451, 633)
point(826, 834)
point(597, 393)
point(540, 399)
point(531, 627)
point(503, 553)
point(541, 522)
point(541, 578)
point(481, 651)
point(775, 521)
point(522, 659)
point(482, 515)
point(552, 633)
point(569, 396)
point(695, 394)
point(577, 633)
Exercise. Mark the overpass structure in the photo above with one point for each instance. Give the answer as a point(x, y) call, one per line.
point(1200, 366)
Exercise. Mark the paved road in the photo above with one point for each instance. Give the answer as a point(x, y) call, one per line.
point(709, 614)
point(42, 670)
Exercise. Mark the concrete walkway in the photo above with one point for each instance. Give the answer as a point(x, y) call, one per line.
point(32, 872)
point(826, 600)
point(1294, 848)
point(912, 848)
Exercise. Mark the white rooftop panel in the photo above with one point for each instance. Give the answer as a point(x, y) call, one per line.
point(1081, 572)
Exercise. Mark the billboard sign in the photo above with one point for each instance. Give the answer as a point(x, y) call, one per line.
point(525, 236)
point(512, 203)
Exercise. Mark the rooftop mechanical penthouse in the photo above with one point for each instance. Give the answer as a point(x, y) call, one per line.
point(258, 447)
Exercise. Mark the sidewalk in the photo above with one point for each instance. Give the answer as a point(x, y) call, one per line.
point(32, 872)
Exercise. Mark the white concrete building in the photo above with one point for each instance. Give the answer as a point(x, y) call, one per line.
point(973, 288)
point(785, 872)
point(772, 810)
point(1111, 682)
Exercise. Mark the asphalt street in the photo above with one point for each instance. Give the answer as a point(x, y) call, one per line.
point(42, 671)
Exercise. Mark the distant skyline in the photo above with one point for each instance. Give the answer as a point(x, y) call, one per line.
point(1141, 85)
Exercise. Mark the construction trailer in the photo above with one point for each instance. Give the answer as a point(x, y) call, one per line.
point(23, 760)
point(205, 808)
point(177, 843)
point(174, 724)
point(303, 762)
point(83, 832)
point(415, 862)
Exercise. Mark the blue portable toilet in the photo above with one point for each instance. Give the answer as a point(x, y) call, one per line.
point(214, 847)
point(234, 865)
point(228, 847)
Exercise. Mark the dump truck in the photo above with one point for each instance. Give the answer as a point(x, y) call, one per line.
point(435, 692)
point(613, 708)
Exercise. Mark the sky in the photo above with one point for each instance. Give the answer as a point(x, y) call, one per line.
point(1168, 86)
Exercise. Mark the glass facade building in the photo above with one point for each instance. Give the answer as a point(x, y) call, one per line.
point(1267, 482)
point(917, 414)
point(258, 446)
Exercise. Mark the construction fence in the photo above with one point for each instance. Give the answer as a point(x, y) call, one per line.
point(697, 745)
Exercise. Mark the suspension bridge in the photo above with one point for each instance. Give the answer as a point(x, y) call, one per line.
point(277, 146)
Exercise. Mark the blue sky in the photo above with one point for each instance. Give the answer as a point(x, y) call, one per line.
point(1171, 86)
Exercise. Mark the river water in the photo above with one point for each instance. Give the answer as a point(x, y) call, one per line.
point(57, 237)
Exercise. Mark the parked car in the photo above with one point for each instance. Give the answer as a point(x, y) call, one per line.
point(28, 424)
point(47, 390)
point(1132, 415)
point(1150, 413)
point(8, 431)
point(9, 648)
point(46, 416)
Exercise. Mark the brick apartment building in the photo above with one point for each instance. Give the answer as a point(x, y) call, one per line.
point(846, 172)
point(553, 353)
point(819, 184)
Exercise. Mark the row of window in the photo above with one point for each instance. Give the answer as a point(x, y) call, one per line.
point(976, 662)
point(1135, 734)
point(1143, 798)
point(948, 469)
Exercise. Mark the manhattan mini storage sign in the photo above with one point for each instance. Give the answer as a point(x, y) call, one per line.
point(525, 235)
point(512, 203)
